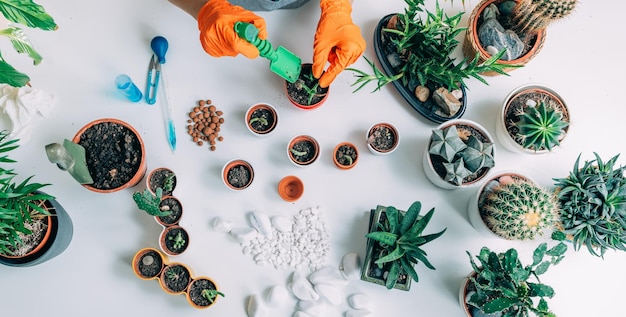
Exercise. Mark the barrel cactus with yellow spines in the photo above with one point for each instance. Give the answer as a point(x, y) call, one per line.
point(519, 209)
point(533, 15)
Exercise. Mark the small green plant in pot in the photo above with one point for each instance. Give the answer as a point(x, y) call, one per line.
point(593, 205)
point(396, 242)
point(150, 203)
point(503, 286)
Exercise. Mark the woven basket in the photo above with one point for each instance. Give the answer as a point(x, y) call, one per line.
point(471, 44)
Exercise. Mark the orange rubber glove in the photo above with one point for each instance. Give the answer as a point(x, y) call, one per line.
point(216, 22)
point(337, 41)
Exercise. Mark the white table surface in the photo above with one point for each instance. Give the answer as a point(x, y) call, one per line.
point(98, 40)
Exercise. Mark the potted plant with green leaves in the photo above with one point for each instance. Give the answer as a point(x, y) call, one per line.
point(161, 177)
point(202, 292)
point(512, 206)
point(517, 28)
point(394, 246)
point(458, 154)
point(167, 210)
point(34, 227)
point(500, 285)
point(175, 278)
point(593, 205)
point(174, 240)
point(416, 52)
point(345, 155)
point(303, 150)
point(534, 119)
point(261, 119)
point(306, 93)
point(25, 13)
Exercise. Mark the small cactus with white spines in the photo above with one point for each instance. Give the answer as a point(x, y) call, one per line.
point(533, 15)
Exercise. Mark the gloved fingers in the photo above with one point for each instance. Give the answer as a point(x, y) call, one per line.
point(340, 57)
point(321, 55)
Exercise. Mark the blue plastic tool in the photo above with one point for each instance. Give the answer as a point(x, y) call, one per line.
point(159, 46)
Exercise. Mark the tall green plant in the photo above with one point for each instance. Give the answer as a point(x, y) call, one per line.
point(26, 13)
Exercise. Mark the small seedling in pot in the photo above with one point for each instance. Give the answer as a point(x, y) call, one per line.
point(311, 91)
point(175, 273)
point(168, 183)
point(298, 153)
point(260, 120)
point(179, 241)
point(211, 294)
point(149, 202)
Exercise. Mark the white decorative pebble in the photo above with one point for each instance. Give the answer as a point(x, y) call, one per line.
point(328, 275)
point(302, 288)
point(350, 265)
point(360, 301)
point(302, 314)
point(221, 225)
point(243, 234)
point(315, 308)
point(328, 292)
point(277, 295)
point(358, 313)
point(261, 222)
point(255, 307)
point(282, 224)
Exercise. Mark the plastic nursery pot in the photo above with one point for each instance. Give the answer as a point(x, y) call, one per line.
point(290, 188)
point(303, 150)
point(175, 206)
point(148, 263)
point(237, 174)
point(115, 154)
point(514, 104)
point(305, 93)
point(471, 43)
point(261, 119)
point(202, 292)
point(345, 155)
point(382, 138)
point(175, 278)
point(433, 166)
point(174, 240)
point(162, 177)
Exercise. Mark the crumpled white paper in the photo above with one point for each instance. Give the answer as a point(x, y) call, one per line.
point(22, 105)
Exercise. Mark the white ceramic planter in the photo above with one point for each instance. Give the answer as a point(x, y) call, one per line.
point(503, 135)
point(427, 163)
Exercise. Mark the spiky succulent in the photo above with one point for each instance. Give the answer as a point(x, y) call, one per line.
point(593, 205)
point(541, 127)
point(519, 209)
point(532, 15)
point(504, 287)
point(150, 203)
point(401, 238)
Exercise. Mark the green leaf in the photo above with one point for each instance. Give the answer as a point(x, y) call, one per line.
point(396, 254)
point(410, 216)
point(392, 275)
point(21, 43)
point(420, 224)
point(540, 290)
point(9, 75)
point(28, 13)
point(497, 305)
point(392, 218)
point(386, 238)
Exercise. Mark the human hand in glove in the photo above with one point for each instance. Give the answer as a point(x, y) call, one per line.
point(337, 41)
point(216, 22)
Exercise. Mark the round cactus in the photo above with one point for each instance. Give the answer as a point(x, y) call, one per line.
point(532, 15)
point(519, 210)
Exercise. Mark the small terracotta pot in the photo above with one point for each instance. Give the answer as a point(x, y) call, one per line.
point(345, 163)
point(141, 171)
point(228, 170)
point(370, 141)
point(167, 221)
point(463, 290)
point(166, 235)
point(156, 178)
point(306, 69)
point(194, 291)
point(268, 113)
point(158, 263)
point(306, 159)
point(471, 43)
point(290, 188)
point(184, 273)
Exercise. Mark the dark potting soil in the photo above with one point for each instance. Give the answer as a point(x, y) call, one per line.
point(297, 90)
point(176, 278)
point(175, 208)
point(266, 120)
point(157, 179)
point(150, 264)
point(346, 155)
point(195, 291)
point(382, 138)
point(304, 151)
point(170, 240)
point(113, 154)
point(238, 176)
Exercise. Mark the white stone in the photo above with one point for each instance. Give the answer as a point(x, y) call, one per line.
point(360, 301)
point(220, 225)
point(328, 275)
point(302, 288)
point(277, 295)
point(302, 314)
point(350, 265)
point(255, 307)
point(329, 292)
point(282, 224)
point(243, 234)
point(261, 222)
point(358, 313)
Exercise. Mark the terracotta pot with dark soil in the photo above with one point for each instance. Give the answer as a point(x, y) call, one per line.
point(382, 138)
point(303, 150)
point(237, 174)
point(261, 119)
point(174, 240)
point(175, 278)
point(162, 177)
point(175, 207)
point(345, 155)
point(305, 93)
point(202, 292)
point(115, 154)
point(148, 263)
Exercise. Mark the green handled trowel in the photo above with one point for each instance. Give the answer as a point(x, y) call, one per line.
point(282, 62)
point(70, 157)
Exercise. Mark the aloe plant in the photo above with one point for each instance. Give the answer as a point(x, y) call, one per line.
point(26, 13)
point(401, 238)
point(541, 127)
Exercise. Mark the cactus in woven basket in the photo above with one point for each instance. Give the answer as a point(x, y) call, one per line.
point(519, 209)
point(593, 205)
point(533, 15)
point(541, 127)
